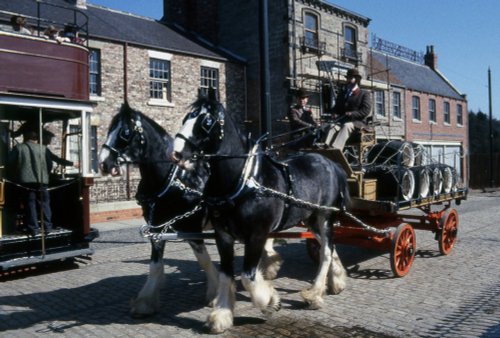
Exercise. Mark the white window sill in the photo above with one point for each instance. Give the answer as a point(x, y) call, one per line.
point(433, 122)
point(160, 103)
point(397, 119)
point(96, 98)
point(416, 121)
point(447, 124)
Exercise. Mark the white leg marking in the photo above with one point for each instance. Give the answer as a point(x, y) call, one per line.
point(221, 318)
point(270, 263)
point(262, 292)
point(314, 295)
point(212, 274)
point(337, 275)
point(148, 299)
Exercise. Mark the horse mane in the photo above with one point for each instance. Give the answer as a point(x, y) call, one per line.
point(129, 111)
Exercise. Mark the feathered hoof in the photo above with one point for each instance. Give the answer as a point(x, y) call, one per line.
point(219, 321)
point(337, 288)
point(313, 299)
point(270, 267)
point(141, 309)
point(273, 306)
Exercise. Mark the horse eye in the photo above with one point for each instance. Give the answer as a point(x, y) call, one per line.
point(194, 114)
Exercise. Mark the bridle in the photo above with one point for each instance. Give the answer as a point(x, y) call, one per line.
point(126, 135)
point(208, 122)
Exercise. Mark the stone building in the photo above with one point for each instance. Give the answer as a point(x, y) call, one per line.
point(157, 68)
point(312, 44)
point(302, 34)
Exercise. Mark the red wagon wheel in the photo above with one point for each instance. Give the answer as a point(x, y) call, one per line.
point(403, 248)
point(448, 232)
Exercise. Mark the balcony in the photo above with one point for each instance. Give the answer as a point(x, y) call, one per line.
point(36, 66)
point(309, 45)
point(351, 55)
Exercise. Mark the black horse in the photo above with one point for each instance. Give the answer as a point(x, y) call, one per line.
point(240, 208)
point(135, 138)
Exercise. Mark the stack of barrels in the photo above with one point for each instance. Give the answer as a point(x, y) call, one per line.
point(402, 174)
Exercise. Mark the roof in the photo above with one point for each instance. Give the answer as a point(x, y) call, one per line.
point(109, 24)
point(412, 75)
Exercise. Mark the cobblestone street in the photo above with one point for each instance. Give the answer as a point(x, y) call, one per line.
point(442, 296)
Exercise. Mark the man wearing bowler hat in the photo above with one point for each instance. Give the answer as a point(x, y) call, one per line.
point(351, 111)
point(300, 117)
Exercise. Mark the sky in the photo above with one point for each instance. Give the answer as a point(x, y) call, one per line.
point(464, 33)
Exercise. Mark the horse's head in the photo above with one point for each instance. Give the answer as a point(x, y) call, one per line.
point(201, 132)
point(124, 142)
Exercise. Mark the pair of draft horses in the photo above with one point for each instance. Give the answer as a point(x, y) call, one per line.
point(210, 154)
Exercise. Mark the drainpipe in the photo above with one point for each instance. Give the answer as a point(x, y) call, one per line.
point(265, 118)
point(294, 47)
point(125, 99)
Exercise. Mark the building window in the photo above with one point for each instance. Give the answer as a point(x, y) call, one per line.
point(350, 43)
point(415, 107)
point(460, 115)
point(94, 161)
point(432, 110)
point(396, 104)
point(95, 72)
point(73, 150)
point(209, 78)
point(311, 30)
point(159, 79)
point(446, 112)
point(379, 103)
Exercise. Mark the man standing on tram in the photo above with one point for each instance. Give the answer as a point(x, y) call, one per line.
point(28, 166)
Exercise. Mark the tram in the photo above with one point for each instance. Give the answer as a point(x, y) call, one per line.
point(45, 84)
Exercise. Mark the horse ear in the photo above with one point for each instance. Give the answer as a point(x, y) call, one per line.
point(126, 109)
point(212, 95)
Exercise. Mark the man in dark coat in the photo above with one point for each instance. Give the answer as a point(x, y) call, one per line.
point(352, 109)
point(300, 117)
point(28, 167)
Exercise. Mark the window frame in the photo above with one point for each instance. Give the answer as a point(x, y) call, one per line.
point(97, 74)
point(209, 80)
point(446, 113)
point(350, 47)
point(460, 115)
point(312, 41)
point(163, 58)
point(396, 106)
point(415, 108)
point(380, 103)
point(432, 111)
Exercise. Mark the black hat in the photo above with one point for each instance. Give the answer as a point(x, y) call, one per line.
point(27, 127)
point(301, 93)
point(353, 72)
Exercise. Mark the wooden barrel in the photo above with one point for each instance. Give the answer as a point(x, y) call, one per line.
point(436, 179)
point(422, 181)
point(419, 154)
point(393, 183)
point(398, 153)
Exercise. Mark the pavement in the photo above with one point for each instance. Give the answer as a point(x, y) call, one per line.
point(442, 296)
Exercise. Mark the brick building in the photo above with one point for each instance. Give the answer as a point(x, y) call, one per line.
point(157, 68)
point(419, 104)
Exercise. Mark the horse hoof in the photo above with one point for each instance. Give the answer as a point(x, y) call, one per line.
point(335, 290)
point(140, 309)
point(219, 321)
point(312, 298)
